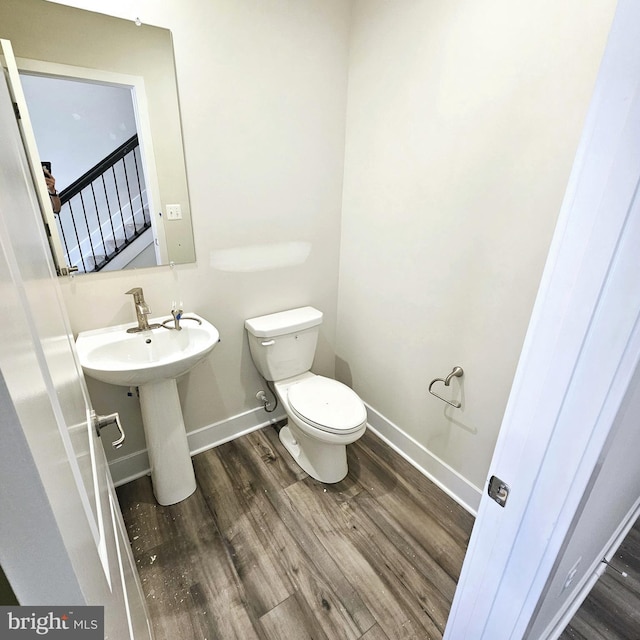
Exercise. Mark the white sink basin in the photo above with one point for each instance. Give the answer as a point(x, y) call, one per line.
point(132, 359)
point(152, 360)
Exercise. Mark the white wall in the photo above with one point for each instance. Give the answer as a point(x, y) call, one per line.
point(263, 95)
point(463, 119)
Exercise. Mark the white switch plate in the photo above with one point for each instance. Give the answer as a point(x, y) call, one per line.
point(174, 212)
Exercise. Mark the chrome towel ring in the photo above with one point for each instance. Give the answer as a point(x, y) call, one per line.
point(456, 373)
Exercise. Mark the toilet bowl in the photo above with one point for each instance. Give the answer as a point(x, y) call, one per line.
point(323, 415)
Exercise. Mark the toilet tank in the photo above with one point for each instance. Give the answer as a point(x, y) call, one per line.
point(283, 344)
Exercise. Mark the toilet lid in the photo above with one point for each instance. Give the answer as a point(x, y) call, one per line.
point(327, 404)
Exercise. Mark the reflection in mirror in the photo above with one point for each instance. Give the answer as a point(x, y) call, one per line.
point(102, 100)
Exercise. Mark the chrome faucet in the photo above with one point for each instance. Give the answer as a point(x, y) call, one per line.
point(142, 311)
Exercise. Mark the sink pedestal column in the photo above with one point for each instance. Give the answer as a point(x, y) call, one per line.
point(172, 473)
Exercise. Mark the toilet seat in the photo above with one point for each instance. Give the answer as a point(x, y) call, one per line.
point(327, 405)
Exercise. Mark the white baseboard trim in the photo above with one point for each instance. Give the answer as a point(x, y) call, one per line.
point(136, 465)
point(583, 588)
point(440, 473)
point(129, 467)
point(230, 429)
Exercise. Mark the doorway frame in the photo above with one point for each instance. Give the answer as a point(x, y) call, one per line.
point(578, 361)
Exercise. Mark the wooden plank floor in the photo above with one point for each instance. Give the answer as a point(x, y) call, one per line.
point(612, 610)
point(261, 550)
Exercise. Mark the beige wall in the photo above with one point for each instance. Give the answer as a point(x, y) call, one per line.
point(263, 92)
point(462, 123)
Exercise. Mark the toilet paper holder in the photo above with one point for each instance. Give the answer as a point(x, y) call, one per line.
point(456, 373)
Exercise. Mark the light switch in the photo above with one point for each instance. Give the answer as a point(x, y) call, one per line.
point(174, 212)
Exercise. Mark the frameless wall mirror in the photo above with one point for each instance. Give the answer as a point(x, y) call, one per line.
point(99, 112)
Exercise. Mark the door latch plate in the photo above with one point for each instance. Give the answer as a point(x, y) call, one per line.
point(498, 490)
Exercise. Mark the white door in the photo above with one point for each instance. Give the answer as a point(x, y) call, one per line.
point(62, 539)
point(578, 361)
point(10, 70)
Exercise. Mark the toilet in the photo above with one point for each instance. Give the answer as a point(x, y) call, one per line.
point(324, 415)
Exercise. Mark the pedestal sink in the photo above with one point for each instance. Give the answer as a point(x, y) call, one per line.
point(152, 361)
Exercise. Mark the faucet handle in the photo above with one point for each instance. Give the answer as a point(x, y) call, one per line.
point(137, 293)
